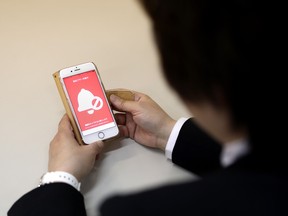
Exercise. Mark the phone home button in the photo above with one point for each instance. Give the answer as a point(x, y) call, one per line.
point(101, 135)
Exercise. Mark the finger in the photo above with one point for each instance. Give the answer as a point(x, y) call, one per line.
point(120, 104)
point(64, 124)
point(123, 105)
point(120, 118)
point(65, 129)
point(126, 124)
point(123, 131)
point(126, 105)
point(130, 125)
point(93, 150)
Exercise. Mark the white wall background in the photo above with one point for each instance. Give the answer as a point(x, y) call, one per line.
point(39, 37)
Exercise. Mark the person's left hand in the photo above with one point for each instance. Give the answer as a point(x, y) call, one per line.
point(67, 155)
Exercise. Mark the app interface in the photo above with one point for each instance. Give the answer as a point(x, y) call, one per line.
point(88, 101)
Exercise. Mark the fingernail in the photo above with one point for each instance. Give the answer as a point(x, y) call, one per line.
point(113, 97)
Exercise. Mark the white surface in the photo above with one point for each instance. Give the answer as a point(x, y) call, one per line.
point(40, 37)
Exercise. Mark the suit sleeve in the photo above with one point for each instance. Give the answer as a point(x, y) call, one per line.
point(57, 199)
point(195, 150)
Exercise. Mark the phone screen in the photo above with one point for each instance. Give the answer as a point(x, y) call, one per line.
point(88, 101)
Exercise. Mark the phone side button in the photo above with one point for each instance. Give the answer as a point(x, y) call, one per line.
point(101, 135)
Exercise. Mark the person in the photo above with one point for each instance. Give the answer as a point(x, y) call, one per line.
point(222, 60)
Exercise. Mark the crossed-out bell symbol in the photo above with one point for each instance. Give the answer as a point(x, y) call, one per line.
point(88, 102)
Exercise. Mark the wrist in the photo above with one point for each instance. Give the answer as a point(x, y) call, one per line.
point(59, 177)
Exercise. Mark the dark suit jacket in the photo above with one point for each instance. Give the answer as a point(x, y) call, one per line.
point(251, 186)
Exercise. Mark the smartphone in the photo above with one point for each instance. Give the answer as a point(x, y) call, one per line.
point(86, 96)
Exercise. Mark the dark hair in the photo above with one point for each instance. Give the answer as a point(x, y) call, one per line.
point(231, 46)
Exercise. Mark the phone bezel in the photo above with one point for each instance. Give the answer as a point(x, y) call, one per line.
point(101, 134)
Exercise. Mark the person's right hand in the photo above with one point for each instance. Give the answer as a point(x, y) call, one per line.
point(143, 121)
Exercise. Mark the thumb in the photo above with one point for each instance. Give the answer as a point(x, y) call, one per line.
point(122, 105)
point(95, 148)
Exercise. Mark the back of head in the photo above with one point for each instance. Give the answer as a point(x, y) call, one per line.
point(207, 46)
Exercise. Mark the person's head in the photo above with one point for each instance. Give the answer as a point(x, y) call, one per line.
point(218, 53)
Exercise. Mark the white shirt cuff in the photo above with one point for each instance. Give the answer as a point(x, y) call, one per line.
point(173, 137)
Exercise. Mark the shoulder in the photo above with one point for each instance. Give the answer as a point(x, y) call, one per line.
point(228, 192)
